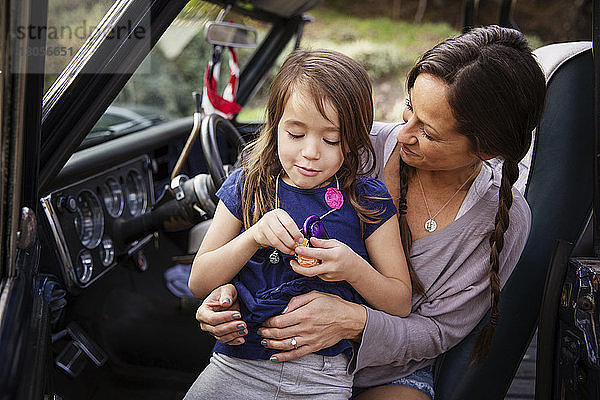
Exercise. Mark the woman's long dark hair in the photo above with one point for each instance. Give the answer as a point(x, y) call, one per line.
point(496, 91)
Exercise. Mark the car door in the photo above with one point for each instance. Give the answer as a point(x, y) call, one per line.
point(23, 313)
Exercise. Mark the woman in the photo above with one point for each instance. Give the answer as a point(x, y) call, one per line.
point(471, 99)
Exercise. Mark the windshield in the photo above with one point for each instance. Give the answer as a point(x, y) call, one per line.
point(70, 23)
point(161, 88)
point(176, 65)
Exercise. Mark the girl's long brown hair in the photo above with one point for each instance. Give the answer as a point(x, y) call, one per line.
point(497, 93)
point(328, 77)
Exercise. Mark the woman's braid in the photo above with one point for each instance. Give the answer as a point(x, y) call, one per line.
point(510, 174)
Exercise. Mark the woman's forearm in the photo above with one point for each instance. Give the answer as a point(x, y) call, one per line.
point(356, 320)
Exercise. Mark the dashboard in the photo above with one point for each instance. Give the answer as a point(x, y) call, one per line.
point(85, 219)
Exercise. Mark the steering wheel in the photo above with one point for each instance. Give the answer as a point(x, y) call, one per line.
point(208, 134)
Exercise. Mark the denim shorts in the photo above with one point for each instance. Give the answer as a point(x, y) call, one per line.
point(421, 379)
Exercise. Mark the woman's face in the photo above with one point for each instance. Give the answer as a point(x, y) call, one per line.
point(429, 140)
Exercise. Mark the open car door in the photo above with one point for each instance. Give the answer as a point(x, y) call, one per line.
point(23, 313)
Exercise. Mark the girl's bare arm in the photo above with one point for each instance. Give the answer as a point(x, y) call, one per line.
point(224, 251)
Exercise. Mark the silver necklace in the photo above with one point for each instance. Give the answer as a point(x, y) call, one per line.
point(274, 257)
point(430, 224)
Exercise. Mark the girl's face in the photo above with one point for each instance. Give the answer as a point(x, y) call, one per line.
point(429, 139)
point(308, 145)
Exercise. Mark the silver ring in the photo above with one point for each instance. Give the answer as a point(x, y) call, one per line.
point(294, 342)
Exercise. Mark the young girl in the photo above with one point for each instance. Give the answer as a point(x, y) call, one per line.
point(307, 165)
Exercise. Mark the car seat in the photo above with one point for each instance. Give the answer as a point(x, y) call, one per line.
point(559, 192)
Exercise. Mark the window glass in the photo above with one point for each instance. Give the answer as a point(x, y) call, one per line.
point(70, 23)
point(255, 109)
point(176, 65)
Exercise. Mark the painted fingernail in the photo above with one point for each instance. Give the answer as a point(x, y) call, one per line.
point(227, 300)
point(285, 310)
point(240, 341)
point(263, 342)
point(236, 316)
point(242, 332)
point(273, 358)
point(240, 326)
point(258, 333)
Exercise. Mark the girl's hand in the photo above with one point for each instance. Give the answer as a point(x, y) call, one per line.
point(277, 229)
point(338, 261)
point(316, 320)
point(219, 315)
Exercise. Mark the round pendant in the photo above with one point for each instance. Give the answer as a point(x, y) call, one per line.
point(430, 225)
point(274, 257)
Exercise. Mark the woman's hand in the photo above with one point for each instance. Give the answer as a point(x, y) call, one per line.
point(338, 261)
point(219, 315)
point(277, 229)
point(316, 320)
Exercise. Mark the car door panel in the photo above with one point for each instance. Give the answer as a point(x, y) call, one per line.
point(23, 312)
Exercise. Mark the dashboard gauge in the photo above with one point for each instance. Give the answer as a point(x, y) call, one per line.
point(136, 193)
point(89, 219)
point(84, 267)
point(107, 251)
point(112, 194)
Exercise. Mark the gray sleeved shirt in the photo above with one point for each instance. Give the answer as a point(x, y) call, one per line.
point(453, 265)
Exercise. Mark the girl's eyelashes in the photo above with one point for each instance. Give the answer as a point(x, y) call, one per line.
point(408, 105)
point(301, 135)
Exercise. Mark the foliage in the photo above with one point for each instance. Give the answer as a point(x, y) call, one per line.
point(383, 45)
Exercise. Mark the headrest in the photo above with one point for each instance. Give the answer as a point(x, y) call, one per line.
point(552, 56)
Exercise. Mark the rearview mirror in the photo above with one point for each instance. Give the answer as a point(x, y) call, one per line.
point(229, 34)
